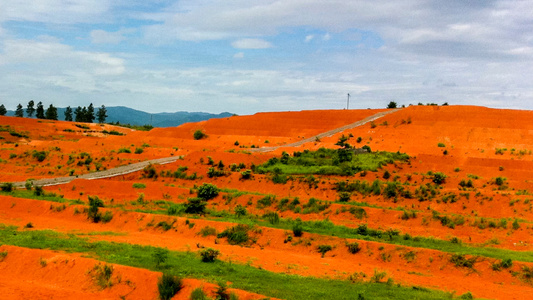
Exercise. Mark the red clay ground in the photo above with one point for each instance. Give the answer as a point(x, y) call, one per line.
point(487, 143)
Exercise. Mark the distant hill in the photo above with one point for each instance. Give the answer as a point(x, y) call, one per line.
point(126, 115)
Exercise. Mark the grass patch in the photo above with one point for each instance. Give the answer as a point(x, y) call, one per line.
point(184, 264)
point(329, 162)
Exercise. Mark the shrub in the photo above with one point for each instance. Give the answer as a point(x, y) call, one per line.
point(198, 135)
point(247, 174)
point(209, 254)
point(236, 235)
point(441, 145)
point(439, 177)
point(459, 260)
point(222, 292)
point(164, 225)
point(139, 150)
point(39, 155)
point(353, 248)
point(168, 286)
point(322, 249)
point(212, 172)
point(7, 187)
point(38, 191)
point(208, 230)
point(106, 217)
point(207, 191)
point(195, 206)
point(344, 196)
point(199, 294)
point(392, 104)
point(272, 217)
point(93, 214)
point(102, 274)
point(139, 185)
point(240, 211)
point(500, 181)
point(297, 229)
point(124, 150)
point(149, 172)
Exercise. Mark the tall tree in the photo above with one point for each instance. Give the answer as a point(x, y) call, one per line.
point(51, 113)
point(90, 113)
point(3, 110)
point(19, 112)
point(101, 114)
point(40, 111)
point(30, 110)
point(84, 117)
point(79, 114)
point(68, 114)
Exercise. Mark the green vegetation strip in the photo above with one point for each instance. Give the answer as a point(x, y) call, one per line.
point(186, 264)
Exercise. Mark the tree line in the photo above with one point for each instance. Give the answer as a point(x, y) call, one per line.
point(80, 114)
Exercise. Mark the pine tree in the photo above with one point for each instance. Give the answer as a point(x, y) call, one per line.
point(3, 110)
point(79, 114)
point(90, 114)
point(30, 110)
point(101, 114)
point(19, 112)
point(40, 111)
point(51, 113)
point(68, 114)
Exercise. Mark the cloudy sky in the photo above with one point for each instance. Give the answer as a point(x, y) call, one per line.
point(246, 56)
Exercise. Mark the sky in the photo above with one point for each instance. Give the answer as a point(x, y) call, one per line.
point(248, 56)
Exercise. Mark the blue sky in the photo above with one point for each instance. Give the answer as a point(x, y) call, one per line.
point(247, 56)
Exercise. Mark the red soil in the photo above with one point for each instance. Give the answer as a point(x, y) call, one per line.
point(472, 137)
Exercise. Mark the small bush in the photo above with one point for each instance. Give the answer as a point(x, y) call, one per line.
point(124, 150)
point(207, 191)
point(39, 155)
point(207, 230)
point(102, 274)
point(139, 150)
point(7, 187)
point(93, 214)
point(198, 135)
point(139, 185)
point(353, 248)
point(441, 145)
point(297, 229)
point(459, 260)
point(106, 217)
point(164, 225)
point(323, 249)
point(209, 254)
point(168, 286)
point(439, 178)
point(195, 206)
point(236, 235)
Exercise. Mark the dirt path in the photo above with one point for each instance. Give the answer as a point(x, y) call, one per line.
point(102, 174)
point(327, 133)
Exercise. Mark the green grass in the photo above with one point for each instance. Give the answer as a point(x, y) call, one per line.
point(188, 265)
point(326, 162)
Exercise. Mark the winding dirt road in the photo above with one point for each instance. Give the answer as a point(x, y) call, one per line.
point(141, 165)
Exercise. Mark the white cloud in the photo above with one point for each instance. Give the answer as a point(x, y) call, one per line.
point(309, 38)
point(106, 37)
point(55, 11)
point(238, 55)
point(251, 44)
point(326, 37)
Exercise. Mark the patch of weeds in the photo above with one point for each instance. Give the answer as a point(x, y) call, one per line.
point(139, 185)
point(409, 256)
point(209, 254)
point(459, 260)
point(102, 275)
point(378, 276)
point(164, 225)
point(504, 263)
point(160, 256)
point(3, 255)
point(236, 235)
point(168, 286)
point(198, 294)
point(353, 248)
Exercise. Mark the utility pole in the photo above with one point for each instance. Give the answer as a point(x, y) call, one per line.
point(348, 102)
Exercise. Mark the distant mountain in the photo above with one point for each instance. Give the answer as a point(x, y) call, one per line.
point(126, 115)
